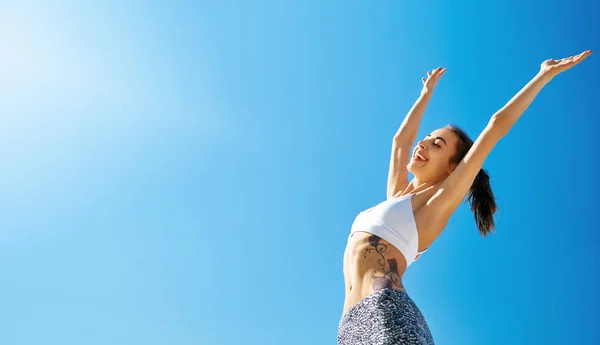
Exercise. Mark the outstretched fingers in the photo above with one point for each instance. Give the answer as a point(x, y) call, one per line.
point(578, 58)
point(438, 72)
point(433, 76)
point(575, 59)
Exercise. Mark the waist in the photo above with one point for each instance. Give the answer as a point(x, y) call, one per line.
point(366, 251)
point(371, 264)
point(406, 243)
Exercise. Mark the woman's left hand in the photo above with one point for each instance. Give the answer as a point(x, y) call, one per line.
point(553, 67)
point(432, 79)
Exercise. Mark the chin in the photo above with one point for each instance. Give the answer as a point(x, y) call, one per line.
point(413, 168)
point(419, 171)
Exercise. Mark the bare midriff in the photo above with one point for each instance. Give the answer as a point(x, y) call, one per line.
point(370, 264)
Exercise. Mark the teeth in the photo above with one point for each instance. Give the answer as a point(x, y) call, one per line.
point(420, 156)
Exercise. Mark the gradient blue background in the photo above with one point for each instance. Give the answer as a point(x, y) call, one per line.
point(187, 173)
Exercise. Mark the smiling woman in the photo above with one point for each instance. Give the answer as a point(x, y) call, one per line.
point(386, 239)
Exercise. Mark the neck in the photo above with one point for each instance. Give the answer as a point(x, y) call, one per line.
point(417, 185)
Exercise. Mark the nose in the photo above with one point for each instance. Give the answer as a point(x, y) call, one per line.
point(422, 145)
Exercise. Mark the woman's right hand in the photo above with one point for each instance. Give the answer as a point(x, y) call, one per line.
point(433, 77)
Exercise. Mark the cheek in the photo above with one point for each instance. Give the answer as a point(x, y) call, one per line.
point(440, 161)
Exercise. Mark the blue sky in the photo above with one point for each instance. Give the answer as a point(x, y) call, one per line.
point(187, 173)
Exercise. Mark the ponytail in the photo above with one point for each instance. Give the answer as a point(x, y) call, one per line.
point(483, 203)
point(481, 198)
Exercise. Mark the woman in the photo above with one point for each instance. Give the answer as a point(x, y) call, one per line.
point(386, 239)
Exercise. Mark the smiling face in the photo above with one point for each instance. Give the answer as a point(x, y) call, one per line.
point(432, 157)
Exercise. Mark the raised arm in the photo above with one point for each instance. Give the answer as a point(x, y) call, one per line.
point(456, 186)
point(407, 134)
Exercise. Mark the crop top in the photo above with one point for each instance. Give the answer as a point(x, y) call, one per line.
point(392, 220)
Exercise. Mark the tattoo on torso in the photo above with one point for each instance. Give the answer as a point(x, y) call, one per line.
point(387, 277)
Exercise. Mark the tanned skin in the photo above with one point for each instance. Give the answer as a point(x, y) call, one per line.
point(386, 276)
point(438, 187)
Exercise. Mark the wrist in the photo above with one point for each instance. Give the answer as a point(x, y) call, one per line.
point(544, 76)
point(426, 92)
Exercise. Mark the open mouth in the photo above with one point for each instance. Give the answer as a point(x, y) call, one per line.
point(419, 157)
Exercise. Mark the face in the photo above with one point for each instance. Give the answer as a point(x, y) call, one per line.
point(431, 157)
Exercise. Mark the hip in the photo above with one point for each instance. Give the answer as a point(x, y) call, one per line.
point(387, 316)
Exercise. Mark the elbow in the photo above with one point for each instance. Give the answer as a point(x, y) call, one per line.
point(499, 125)
point(403, 139)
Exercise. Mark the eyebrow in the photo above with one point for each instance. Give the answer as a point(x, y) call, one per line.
point(442, 139)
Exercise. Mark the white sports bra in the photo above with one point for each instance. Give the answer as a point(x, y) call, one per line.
point(394, 221)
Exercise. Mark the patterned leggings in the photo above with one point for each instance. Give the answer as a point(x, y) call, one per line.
point(386, 317)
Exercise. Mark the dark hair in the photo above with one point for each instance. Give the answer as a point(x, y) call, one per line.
point(481, 197)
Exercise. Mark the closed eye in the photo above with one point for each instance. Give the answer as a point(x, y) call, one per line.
point(437, 139)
